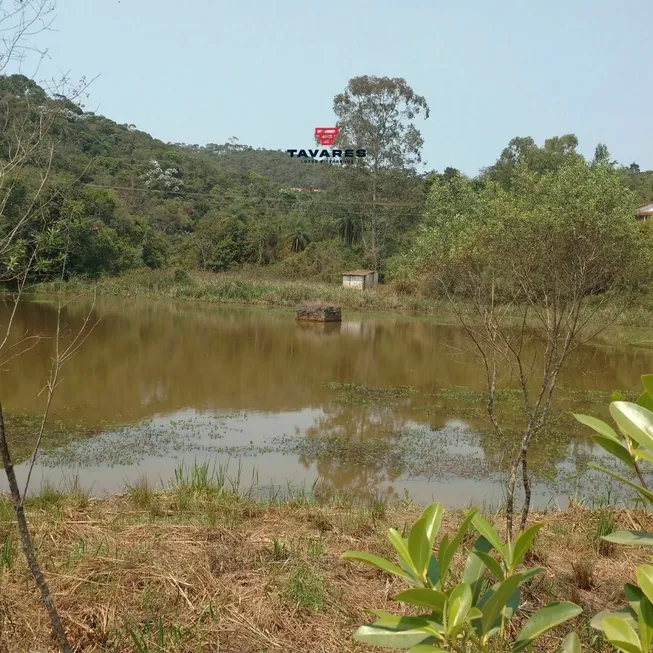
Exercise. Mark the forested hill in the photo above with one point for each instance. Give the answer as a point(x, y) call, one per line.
point(273, 164)
point(133, 200)
point(116, 198)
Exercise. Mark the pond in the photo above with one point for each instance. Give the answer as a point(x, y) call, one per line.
point(373, 406)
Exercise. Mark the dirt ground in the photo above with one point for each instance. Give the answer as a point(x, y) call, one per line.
point(184, 572)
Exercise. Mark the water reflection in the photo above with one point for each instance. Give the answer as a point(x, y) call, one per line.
point(339, 387)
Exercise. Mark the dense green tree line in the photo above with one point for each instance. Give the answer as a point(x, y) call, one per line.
point(113, 198)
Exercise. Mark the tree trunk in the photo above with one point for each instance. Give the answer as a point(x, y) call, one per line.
point(527, 492)
point(373, 244)
point(26, 542)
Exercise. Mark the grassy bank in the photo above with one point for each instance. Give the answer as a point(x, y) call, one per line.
point(255, 289)
point(198, 567)
point(243, 289)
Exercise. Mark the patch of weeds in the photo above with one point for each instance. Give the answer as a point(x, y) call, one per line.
point(279, 551)
point(605, 525)
point(306, 588)
point(6, 509)
point(77, 552)
point(316, 548)
point(321, 521)
point(141, 493)
point(7, 552)
point(204, 479)
point(357, 523)
point(583, 571)
point(378, 507)
point(48, 497)
point(536, 556)
point(411, 452)
point(559, 528)
point(362, 395)
point(155, 635)
point(131, 443)
point(182, 276)
point(77, 495)
point(23, 429)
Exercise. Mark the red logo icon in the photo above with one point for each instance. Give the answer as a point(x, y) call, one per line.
point(326, 135)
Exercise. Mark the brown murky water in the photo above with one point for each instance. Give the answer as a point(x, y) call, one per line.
point(375, 405)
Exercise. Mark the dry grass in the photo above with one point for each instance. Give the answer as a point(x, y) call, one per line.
point(219, 573)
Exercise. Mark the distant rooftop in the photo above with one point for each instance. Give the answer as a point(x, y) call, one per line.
point(358, 273)
point(647, 209)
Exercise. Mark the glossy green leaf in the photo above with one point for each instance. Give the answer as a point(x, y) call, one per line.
point(459, 605)
point(522, 544)
point(489, 533)
point(627, 614)
point(631, 538)
point(432, 516)
point(638, 604)
point(597, 425)
point(530, 573)
point(644, 492)
point(497, 600)
point(647, 382)
point(570, 644)
point(475, 567)
point(391, 638)
point(433, 573)
point(378, 562)
point(639, 453)
point(634, 421)
point(401, 547)
point(390, 620)
point(645, 400)
point(423, 597)
point(442, 553)
point(446, 556)
point(616, 396)
point(491, 564)
point(544, 619)
point(512, 604)
point(645, 623)
point(621, 635)
point(426, 648)
point(634, 596)
point(645, 580)
point(616, 449)
point(419, 547)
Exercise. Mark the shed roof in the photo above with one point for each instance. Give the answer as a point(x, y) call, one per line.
point(647, 209)
point(358, 273)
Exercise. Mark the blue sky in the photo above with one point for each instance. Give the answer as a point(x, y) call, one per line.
point(266, 72)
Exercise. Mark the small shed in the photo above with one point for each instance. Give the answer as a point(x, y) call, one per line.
point(645, 212)
point(361, 279)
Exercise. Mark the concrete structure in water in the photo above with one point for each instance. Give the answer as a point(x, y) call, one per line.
point(360, 279)
point(317, 312)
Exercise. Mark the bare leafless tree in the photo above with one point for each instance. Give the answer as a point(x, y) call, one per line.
point(528, 341)
point(27, 147)
point(538, 274)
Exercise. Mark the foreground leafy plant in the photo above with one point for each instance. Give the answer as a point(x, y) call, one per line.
point(629, 630)
point(631, 445)
point(471, 612)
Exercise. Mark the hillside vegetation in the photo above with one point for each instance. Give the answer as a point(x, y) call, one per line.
point(115, 198)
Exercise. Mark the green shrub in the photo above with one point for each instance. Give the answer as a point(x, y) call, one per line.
point(181, 276)
point(465, 615)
